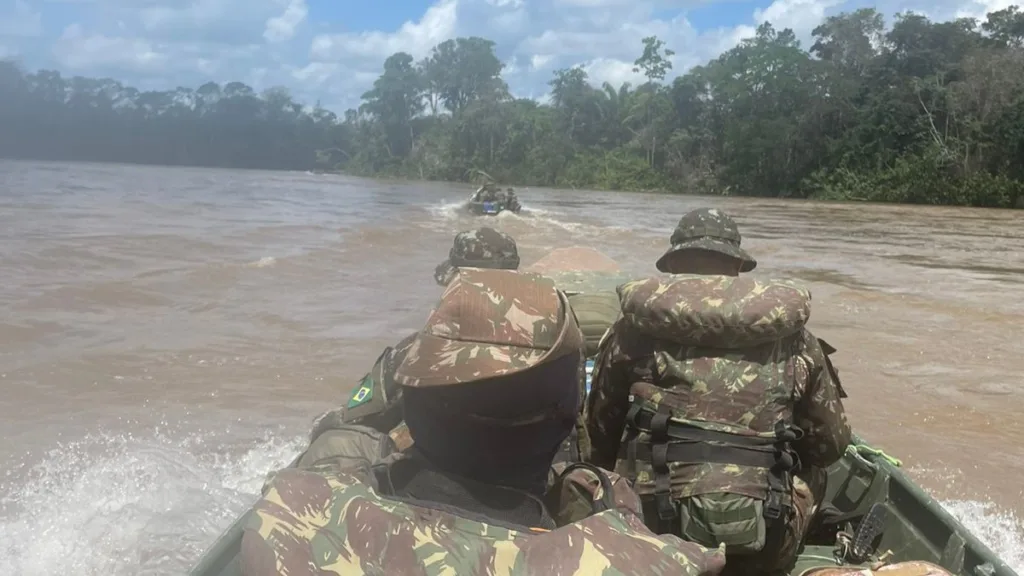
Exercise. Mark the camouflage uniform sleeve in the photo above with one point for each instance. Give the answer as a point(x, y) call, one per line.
point(572, 497)
point(346, 447)
point(819, 411)
point(605, 413)
point(376, 400)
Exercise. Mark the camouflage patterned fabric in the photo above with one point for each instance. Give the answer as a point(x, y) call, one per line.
point(707, 229)
point(479, 248)
point(490, 323)
point(326, 516)
point(327, 522)
point(724, 354)
point(376, 399)
point(715, 311)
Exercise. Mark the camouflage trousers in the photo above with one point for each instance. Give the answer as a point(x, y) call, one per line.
point(808, 492)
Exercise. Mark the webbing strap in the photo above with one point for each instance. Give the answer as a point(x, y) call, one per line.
point(700, 452)
point(676, 442)
point(662, 478)
point(642, 418)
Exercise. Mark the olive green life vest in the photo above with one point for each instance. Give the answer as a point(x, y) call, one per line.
point(595, 313)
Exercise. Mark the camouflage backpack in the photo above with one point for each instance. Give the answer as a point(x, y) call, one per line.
point(325, 521)
point(709, 432)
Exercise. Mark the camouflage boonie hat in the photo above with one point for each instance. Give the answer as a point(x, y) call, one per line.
point(480, 248)
point(490, 323)
point(708, 229)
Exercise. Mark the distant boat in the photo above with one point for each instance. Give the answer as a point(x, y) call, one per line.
point(475, 205)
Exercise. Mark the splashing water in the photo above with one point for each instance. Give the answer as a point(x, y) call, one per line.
point(1003, 532)
point(112, 504)
point(445, 212)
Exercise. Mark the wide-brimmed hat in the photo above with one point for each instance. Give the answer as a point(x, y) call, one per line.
point(711, 230)
point(480, 248)
point(490, 323)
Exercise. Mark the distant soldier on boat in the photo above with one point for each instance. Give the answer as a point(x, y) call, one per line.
point(489, 199)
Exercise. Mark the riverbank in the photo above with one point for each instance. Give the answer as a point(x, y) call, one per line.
point(992, 191)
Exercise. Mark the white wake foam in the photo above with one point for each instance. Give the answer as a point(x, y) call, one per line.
point(129, 504)
point(151, 504)
point(1001, 531)
point(446, 212)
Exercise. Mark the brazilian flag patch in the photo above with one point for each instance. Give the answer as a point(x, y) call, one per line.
point(362, 394)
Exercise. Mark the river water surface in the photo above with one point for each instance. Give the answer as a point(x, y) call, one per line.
point(167, 335)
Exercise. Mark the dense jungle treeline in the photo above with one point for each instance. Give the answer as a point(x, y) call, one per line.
point(920, 112)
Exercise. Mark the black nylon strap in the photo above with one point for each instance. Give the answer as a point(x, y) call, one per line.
point(662, 477)
point(699, 452)
point(643, 419)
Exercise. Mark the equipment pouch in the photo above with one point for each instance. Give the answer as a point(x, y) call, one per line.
point(722, 518)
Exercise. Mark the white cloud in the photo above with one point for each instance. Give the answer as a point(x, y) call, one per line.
point(417, 38)
point(612, 71)
point(76, 50)
point(166, 43)
point(800, 15)
point(979, 8)
point(537, 61)
point(282, 28)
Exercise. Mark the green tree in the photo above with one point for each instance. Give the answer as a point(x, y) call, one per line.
point(919, 111)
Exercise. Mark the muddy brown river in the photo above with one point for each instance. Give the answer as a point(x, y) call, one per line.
point(168, 334)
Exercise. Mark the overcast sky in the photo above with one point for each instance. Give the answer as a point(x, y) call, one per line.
point(332, 50)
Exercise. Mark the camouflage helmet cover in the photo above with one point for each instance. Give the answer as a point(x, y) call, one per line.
point(490, 323)
point(710, 230)
point(482, 247)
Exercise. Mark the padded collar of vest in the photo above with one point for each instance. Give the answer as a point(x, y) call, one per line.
point(715, 311)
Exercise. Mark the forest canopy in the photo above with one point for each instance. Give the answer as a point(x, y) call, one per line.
point(918, 112)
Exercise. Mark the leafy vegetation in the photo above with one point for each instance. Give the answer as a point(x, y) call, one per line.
point(921, 112)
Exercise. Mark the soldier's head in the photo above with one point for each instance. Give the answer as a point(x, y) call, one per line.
point(479, 248)
point(706, 241)
point(491, 382)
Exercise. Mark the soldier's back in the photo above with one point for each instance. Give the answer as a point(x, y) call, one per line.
point(325, 520)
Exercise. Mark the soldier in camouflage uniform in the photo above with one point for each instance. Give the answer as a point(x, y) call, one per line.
point(376, 399)
point(480, 248)
point(712, 395)
point(491, 387)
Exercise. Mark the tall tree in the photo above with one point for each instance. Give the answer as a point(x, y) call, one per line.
point(396, 98)
point(920, 111)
